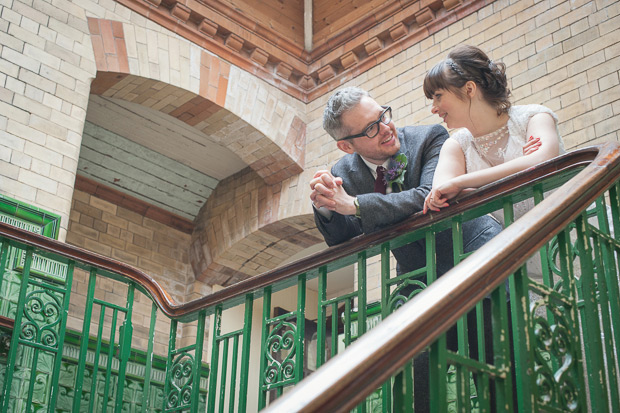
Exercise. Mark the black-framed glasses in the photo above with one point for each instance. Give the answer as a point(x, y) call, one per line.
point(373, 129)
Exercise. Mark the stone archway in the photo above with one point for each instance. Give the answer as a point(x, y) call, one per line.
point(239, 233)
point(260, 124)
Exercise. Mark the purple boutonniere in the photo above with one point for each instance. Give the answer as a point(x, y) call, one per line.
point(396, 171)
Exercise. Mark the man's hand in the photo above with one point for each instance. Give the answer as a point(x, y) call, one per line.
point(322, 188)
point(327, 191)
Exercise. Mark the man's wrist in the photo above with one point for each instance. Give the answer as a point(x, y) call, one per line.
point(356, 203)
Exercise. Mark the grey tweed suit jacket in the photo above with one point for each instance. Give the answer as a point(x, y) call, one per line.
point(422, 145)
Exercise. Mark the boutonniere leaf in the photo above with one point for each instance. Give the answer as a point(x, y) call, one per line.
point(396, 171)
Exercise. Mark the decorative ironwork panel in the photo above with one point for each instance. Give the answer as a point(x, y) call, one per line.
point(281, 354)
point(180, 382)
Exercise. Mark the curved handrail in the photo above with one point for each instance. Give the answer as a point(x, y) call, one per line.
point(348, 378)
point(190, 310)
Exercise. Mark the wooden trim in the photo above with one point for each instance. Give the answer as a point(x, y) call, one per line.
point(143, 208)
point(302, 81)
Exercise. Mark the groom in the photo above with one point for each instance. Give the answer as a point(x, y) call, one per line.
point(350, 200)
point(354, 197)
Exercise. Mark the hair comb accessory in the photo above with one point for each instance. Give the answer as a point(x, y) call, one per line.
point(455, 67)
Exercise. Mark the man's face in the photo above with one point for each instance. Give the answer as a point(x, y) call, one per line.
point(378, 149)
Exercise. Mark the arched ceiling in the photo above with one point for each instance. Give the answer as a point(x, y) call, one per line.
point(152, 156)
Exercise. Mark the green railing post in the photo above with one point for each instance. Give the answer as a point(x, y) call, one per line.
point(321, 317)
point(597, 381)
point(149, 361)
point(79, 380)
point(262, 394)
point(301, 324)
point(172, 342)
point(245, 352)
point(125, 347)
point(8, 378)
point(61, 337)
point(386, 391)
point(213, 368)
point(200, 335)
point(567, 272)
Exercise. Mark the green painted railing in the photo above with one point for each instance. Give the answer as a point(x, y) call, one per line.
point(560, 357)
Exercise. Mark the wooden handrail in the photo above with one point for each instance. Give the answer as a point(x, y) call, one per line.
point(348, 378)
point(189, 311)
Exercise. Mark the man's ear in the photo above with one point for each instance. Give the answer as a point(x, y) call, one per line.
point(345, 146)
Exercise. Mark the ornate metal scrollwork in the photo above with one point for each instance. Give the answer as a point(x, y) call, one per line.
point(404, 292)
point(43, 316)
point(280, 353)
point(180, 381)
point(555, 361)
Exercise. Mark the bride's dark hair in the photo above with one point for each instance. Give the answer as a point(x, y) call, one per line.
point(465, 63)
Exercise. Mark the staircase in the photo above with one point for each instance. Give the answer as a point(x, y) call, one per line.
point(284, 342)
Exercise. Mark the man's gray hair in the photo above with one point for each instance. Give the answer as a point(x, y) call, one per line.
point(339, 103)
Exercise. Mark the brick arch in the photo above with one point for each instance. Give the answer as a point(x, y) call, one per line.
point(240, 232)
point(182, 80)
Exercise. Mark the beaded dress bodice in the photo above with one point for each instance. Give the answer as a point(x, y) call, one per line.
point(492, 147)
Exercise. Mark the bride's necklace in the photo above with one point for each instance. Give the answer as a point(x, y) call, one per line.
point(489, 141)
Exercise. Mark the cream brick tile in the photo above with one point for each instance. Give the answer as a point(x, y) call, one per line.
point(8, 167)
point(65, 191)
point(19, 159)
point(529, 75)
point(53, 11)
point(586, 63)
point(37, 181)
point(62, 176)
point(593, 117)
point(42, 153)
point(34, 93)
point(20, 59)
point(40, 167)
point(603, 69)
point(607, 126)
point(71, 123)
point(9, 170)
point(542, 31)
point(609, 81)
point(25, 132)
point(578, 14)
point(610, 96)
point(16, 189)
point(15, 85)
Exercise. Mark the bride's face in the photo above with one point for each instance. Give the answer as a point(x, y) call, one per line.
point(450, 108)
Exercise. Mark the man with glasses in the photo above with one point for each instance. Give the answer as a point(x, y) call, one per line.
point(352, 199)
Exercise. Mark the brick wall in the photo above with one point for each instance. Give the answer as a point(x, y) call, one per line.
point(158, 250)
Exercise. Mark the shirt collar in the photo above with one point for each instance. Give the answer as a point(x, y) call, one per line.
point(373, 167)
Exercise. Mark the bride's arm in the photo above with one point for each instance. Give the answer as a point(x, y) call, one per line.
point(451, 162)
point(450, 165)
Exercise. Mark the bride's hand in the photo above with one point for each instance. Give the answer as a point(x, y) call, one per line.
point(434, 201)
point(532, 145)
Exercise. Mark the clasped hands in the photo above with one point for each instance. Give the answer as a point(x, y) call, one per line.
point(327, 191)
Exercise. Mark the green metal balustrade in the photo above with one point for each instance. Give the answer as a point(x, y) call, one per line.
point(75, 346)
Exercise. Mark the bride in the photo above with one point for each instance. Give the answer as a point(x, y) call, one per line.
point(496, 139)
